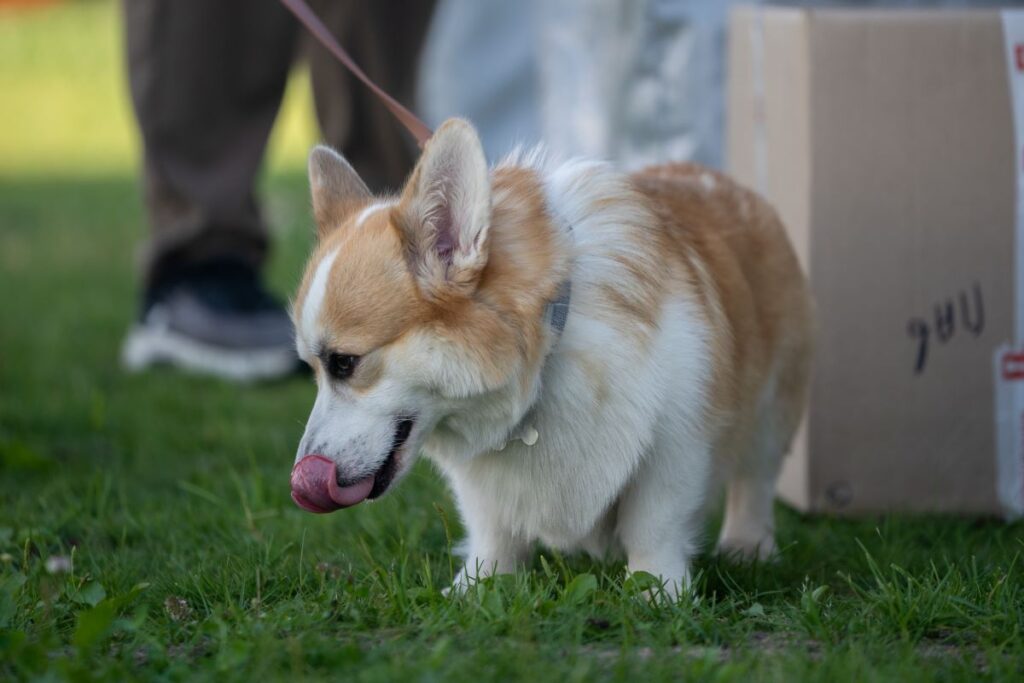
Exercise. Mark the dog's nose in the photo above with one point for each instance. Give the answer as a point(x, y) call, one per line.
point(315, 486)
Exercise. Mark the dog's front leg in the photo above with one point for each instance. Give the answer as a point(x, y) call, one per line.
point(490, 548)
point(486, 557)
point(660, 513)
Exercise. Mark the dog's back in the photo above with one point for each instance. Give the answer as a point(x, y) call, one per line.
point(756, 297)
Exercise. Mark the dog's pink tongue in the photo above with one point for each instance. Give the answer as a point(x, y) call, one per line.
point(315, 486)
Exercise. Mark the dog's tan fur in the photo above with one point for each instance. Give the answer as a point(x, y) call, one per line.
point(741, 263)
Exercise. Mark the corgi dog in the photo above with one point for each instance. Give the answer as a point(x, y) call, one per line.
point(587, 356)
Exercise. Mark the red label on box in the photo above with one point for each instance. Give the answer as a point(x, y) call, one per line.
point(1013, 366)
point(1018, 52)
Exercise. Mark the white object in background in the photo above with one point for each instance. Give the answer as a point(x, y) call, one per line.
point(1009, 361)
point(1013, 40)
point(1009, 412)
point(633, 81)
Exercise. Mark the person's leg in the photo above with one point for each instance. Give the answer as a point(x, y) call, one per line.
point(385, 38)
point(207, 80)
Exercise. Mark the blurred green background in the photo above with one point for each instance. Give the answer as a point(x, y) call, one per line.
point(146, 530)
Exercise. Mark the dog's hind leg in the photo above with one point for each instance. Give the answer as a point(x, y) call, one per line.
point(748, 531)
point(660, 514)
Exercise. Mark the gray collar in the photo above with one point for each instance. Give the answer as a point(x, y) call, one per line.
point(556, 315)
point(557, 312)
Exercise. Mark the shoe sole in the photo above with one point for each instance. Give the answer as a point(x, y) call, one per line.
point(144, 348)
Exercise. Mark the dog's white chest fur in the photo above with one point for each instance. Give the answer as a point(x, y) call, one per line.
point(602, 406)
point(607, 399)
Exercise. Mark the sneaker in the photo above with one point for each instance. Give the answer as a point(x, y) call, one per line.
point(214, 319)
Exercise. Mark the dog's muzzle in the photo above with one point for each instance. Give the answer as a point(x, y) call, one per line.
point(316, 487)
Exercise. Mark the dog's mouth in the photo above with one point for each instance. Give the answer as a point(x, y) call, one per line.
point(386, 474)
point(317, 486)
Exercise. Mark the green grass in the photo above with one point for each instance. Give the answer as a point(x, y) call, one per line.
point(169, 494)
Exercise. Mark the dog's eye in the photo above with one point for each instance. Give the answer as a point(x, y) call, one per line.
point(340, 365)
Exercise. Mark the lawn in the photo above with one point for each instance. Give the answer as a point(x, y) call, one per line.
point(146, 530)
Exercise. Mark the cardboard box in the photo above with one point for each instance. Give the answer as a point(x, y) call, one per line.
point(886, 140)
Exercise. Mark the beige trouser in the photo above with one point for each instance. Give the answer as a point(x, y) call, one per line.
point(207, 77)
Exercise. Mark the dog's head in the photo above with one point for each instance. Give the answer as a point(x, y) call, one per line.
point(391, 319)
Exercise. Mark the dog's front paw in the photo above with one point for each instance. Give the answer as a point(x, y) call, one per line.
point(459, 586)
point(658, 590)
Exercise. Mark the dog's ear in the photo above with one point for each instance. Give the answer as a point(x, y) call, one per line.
point(445, 211)
point(336, 188)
